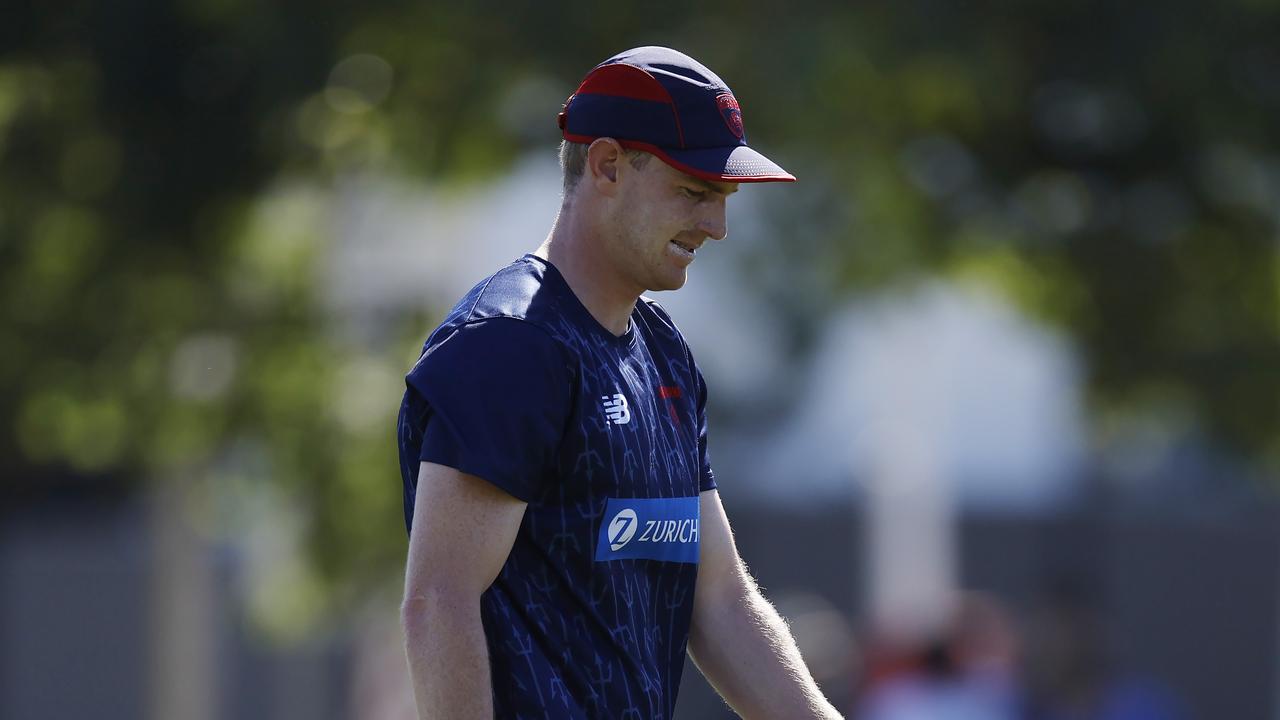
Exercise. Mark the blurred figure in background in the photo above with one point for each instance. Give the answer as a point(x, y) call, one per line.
point(1069, 675)
point(965, 672)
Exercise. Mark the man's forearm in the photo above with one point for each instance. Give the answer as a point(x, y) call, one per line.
point(745, 650)
point(448, 657)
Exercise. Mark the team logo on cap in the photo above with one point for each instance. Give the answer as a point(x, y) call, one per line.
point(731, 113)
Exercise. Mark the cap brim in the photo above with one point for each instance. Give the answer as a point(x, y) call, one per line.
point(736, 163)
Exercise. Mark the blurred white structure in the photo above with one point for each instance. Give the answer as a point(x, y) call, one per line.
point(400, 246)
point(943, 380)
point(928, 399)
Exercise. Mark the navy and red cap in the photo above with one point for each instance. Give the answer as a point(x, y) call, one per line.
point(666, 103)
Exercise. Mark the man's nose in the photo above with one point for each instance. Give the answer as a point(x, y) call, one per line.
point(714, 223)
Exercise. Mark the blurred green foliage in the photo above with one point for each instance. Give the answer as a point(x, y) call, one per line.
point(1113, 167)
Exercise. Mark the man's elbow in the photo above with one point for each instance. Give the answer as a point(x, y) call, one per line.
point(428, 605)
point(413, 609)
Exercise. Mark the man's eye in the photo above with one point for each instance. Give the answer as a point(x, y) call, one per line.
point(691, 193)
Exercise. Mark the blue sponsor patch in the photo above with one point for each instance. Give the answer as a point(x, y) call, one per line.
point(649, 529)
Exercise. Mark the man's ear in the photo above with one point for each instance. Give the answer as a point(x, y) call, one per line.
point(603, 159)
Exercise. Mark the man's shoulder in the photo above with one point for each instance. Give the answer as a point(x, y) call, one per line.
point(520, 291)
point(508, 315)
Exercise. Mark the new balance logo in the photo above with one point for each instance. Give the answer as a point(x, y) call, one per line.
point(616, 411)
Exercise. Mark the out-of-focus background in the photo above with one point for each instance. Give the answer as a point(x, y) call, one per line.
point(995, 387)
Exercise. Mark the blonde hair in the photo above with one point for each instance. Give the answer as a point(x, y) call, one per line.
point(573, 161)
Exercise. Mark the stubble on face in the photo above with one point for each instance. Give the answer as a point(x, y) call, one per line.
point(642, 227)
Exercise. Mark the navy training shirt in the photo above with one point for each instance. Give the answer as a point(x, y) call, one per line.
point(605, 438)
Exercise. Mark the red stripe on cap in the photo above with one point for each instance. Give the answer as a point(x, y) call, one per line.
point(687, 169)
point(679, 127)
point(624, 81)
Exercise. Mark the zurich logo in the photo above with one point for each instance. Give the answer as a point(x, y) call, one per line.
point(622, 528)
point(616, 410)
point(661, 529)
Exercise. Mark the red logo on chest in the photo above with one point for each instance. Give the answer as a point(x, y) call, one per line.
point(670, 393)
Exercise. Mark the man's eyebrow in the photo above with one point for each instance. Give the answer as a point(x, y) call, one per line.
point(708, 186)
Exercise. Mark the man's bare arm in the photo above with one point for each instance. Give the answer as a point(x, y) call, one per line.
point(463, 529)
point(738, 640)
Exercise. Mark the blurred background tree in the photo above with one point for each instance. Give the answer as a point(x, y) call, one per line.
point(1112, 167)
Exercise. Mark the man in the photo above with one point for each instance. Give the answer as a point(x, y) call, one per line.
point(567, 543)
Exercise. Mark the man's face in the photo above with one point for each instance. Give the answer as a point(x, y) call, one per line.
point(661, 219)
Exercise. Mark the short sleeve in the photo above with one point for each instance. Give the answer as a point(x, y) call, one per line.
point(706, 478)
point(497, 395)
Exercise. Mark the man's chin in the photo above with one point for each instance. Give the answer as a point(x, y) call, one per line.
point(670, 283)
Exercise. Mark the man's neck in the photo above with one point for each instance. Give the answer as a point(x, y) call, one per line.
point(572, 249)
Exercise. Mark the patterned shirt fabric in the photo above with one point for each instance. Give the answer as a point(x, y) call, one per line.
point(605, 438)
